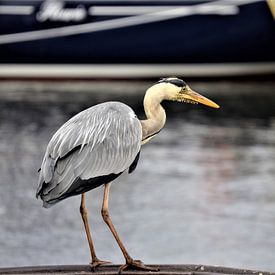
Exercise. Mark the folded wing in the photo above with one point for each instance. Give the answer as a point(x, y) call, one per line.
point(101, 141)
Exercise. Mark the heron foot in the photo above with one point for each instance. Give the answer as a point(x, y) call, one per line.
point(136, 264)
point(96, 263)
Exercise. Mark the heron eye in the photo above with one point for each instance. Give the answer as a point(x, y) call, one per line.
point(183, 90)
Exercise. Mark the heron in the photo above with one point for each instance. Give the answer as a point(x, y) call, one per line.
point(97, 145)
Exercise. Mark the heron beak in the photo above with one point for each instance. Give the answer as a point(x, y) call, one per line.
point(196, 97)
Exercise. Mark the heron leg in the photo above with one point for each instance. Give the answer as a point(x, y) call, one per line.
point(84, 214)
point(130, 262)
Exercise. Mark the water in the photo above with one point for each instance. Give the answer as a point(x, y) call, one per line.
point(203, 192)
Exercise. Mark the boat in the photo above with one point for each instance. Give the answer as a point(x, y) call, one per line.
point(136, 38)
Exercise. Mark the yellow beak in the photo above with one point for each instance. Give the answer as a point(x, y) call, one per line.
point(192, 95)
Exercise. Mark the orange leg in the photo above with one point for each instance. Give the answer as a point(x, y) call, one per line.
point(95, 262)
point(130, 263)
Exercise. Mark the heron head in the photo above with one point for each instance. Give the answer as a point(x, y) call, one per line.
point(178, 90)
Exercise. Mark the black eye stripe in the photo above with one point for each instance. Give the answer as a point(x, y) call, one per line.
point(178, 82)
point(175, 81)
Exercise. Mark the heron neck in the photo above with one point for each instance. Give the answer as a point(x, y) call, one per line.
point(155, 113)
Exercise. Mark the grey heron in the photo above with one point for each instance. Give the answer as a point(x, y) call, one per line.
point(98, 144)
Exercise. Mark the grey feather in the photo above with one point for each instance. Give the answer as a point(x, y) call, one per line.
point(104, 139)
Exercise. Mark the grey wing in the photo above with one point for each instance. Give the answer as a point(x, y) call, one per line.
point(102, 140)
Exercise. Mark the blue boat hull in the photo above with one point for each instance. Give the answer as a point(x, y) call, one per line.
point(153, 33)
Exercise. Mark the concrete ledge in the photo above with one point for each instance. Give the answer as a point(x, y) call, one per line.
point(113, 269)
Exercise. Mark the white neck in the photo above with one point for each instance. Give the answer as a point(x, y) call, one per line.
point(155, 113)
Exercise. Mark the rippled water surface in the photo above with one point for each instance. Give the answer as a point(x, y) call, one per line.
point(203, 192)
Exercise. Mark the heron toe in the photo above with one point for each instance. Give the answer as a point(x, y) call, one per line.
point(96, 263)
point(137, 264)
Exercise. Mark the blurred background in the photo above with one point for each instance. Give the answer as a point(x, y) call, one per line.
point(204, 189)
